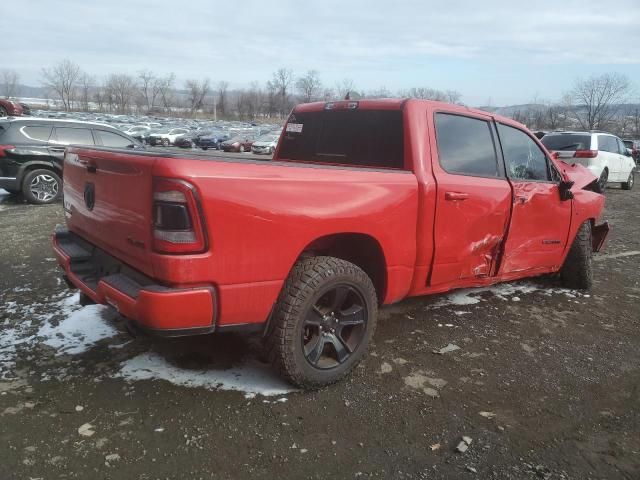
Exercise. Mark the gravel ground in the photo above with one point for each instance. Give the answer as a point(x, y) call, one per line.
point(544, 382)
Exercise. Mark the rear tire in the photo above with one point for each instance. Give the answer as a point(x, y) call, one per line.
point(577, 270)
point(323, 322)
point(41, 186)
point(165, 142)
point(628, 185)
point(241, 149)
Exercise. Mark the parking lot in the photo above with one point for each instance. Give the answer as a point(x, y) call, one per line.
point(543, 381)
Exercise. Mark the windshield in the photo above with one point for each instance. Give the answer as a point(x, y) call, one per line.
point(567, 141)
point(372, 138)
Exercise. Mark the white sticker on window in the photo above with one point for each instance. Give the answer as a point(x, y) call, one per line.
point(294, 127)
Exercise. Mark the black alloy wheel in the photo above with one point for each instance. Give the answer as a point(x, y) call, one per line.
point(334, 327)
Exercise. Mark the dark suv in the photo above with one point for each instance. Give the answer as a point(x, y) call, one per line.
point(32, 152)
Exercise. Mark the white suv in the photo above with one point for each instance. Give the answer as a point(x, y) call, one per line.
point(602, 153)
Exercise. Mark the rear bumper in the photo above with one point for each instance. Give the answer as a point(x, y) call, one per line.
point(150, 306)
point(599, 235)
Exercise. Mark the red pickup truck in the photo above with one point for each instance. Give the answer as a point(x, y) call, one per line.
point(364, 204)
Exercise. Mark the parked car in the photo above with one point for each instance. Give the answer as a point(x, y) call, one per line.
point(602, 153)
point(166, 136)
point(10, 108)
point(634, 147)
point(405, 198)
point(32, 152)
point(266, 144)
point(239, 143)
point(138, 132)
point(187, 140)
point(213, 140)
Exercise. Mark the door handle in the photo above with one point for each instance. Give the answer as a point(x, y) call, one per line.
point(521, 199)
point(455, 196)
point(57, 149)
point(92, 168)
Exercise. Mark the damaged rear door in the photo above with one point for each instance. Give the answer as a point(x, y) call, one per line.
point(540, 219)
point(473, 198)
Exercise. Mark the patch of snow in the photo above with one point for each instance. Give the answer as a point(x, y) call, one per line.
point(503, 291)
point(251, 378)
point(80, 330)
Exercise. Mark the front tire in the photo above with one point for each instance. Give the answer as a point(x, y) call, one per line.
point(577, 270)
point(628, 185)
point(241, 149)
point(3, 112)
point(322, 324)
point(41, 186)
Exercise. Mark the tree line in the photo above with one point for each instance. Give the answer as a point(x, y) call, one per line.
point(593, 103)
point(148, 92)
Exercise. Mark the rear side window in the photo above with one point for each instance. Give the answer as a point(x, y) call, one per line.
point(523, 157)
point(465, 146)
point(567, 141)
point(75, 136)
point(607, 143)
point(110, 139)
point(363, 138)
point(39, 133)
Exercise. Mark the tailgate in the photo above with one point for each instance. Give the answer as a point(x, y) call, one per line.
point(108, 202)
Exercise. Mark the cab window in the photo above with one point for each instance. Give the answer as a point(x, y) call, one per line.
point(524, 159)
point(466, 146)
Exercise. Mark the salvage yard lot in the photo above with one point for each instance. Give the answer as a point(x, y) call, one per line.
point(544, 381)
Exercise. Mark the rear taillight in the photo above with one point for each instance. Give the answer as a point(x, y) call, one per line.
point(585, 154)
point(177, 221)
point(5, 147)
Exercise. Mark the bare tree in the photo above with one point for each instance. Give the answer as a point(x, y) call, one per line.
point(281, 81)
point(597, 99)
point(62, 79)
point(309, 86)
point(196, 93)
point(10, 79)
point(121, 89)
point(344, 88)
point(382, 92)
point(165, 91)
point(452, 96)
point(85, 84)
point(149, 88)
point(99, 97)
point(222, 89)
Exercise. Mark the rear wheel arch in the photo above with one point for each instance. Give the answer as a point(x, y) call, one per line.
point(28, 167)
point(363, 250)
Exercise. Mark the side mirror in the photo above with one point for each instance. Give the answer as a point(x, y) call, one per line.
point(565, 190)
point(555, 155)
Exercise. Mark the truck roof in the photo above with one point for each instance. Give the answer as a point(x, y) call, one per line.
point(400, 103)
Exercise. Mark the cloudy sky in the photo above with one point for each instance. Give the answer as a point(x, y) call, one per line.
point(496, 51)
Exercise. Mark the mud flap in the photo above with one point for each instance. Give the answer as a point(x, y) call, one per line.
point(599, 236)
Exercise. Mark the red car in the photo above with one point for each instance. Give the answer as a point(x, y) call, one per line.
point(364, 204)
point(239, 143)
point(10, 108)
